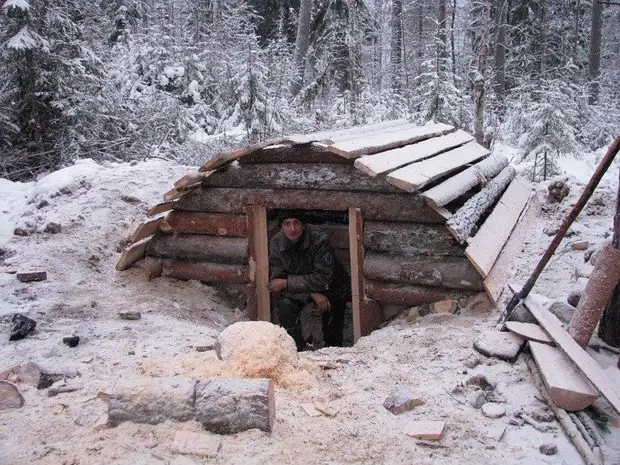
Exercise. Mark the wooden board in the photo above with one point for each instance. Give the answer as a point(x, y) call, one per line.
point(379, 142)
point(578, 356)
point(409, 294)
point(206, 272)
point(199, 248)
point(259, 260)
point(457, 185)
point(496, 279)
point(301, 153)
point(374, 206)
point(225, 158)
point(132, 254)
point(298, 176)
point(191, 180)
point(219, 224)
point(357, 263)
point(387, 161)
point(410, 239)
point(148, 228)
point(174, 194)
point(529, 331)
point(161, 208)
point(567, 386)
point(335, 135)
point(487, 244)
point(435, 271)
point(417, 175)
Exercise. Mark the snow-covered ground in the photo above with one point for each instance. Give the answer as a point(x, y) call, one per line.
point(99, 206)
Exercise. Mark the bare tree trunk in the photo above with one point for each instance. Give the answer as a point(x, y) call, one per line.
point(500, 55)
point(594, 55)
point(397, 43)
point(301, 44)
point(442, 44)
point(452, 46)
point(480, 75)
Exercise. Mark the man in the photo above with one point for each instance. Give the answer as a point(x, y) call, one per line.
point(303, 269)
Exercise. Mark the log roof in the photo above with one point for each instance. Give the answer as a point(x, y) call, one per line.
point(435, 161)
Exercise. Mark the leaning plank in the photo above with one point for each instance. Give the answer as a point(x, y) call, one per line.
point(381, 142)
point(225, 158)
point(410, 239)
point(463, 223)
point(132, 254)
point(219, 224)
point(374, 206)
point(568, 388)
point(146, 229)
point(205, 271)
point(298, 176)
point(417, 175)
point(457, 185)
point(448, 272)
point(487, 244)
point(579, 357)
point(392, 159)
point(199, 248)
point(161, 207)
point(496, 280)
point(191, 180)
point(408, 294)
point(300, 153)
point(529, 331)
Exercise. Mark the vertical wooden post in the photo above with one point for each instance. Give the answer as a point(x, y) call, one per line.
point(356, 248)
point(259, 305)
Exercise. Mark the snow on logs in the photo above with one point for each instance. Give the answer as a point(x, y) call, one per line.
point(223, 406)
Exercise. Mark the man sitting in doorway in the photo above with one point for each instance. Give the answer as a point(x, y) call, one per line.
point(303, 269)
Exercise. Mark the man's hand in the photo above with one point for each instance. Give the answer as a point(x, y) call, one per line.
point(276, 285)
point(321, 302)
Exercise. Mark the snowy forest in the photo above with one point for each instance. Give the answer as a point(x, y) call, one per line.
point(183, 79)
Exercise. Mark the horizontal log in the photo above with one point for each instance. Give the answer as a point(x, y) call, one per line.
point(374, 206)
point(410, 239)
point(216, 224)
point(199, 248)
point(299, 176)
point(407, 294)
point(434, 271)
point(302, 153)
point(206, 272)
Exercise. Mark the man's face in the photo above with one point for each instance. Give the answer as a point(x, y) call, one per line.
point(292, 229)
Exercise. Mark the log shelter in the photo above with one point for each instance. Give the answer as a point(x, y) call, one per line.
point(429, 215)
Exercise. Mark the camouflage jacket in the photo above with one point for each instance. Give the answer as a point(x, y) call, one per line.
point(309, 265)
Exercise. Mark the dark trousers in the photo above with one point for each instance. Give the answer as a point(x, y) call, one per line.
point(289, 312)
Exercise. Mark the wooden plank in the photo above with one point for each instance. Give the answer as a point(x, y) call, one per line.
point(335, 135)
point(225, 158)
point(191, 180)
point(132, 254)
point(417, 175)
point(578, 356)
point(298, 176)
point(161, 208)
point(434, 271)
point(174, 194)
point(529, 331)
point(148, 228)
point(387, 161)
point(260, 247)
point(374, 206)
point(379, 142)
point(496, 279)
point(357, 263)
point(301, 153)
point(409, 294)
point(205, 271)
point(252, 294)
point(219, 224)
point(199, 248)
point(567, 387)
point(452, 188)
point(410, 239)
point(487, 244)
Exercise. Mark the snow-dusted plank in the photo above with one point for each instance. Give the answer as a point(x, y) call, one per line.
point(417, 175)
point(384, 140)
point(132, 254)
point(569, 346)
point(496, 280)
point(529, 331)
point(333, 135)
point(392, 159)
point(457, 185)
point(487, 244)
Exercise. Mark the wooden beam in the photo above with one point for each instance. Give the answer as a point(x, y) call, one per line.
point(220, 224)
point(148, 228)
point(578, 356)
point(374, 206)
point(356, 244)
point(199, 248)
point(259, 259)
point(132, 254)
point(408, 294)
point(206, 272)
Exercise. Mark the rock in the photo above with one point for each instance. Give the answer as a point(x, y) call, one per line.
point(310, 410)
point(205, 348)
point(580, 245)
point(21, 326)
point(496, 431)
point(401, 400)
point(476, 398)
point(130, 199)
point(42, 204)
point(496, 398)
point(444, 306)
point(128, 315)
point(503, 345)
point(548, 449)
point(426, 429)
point(200, 444)
point(478, 305)
point(28, 373)
point(52, 228)
point(562, 311)
point(481, 381)
point(31, 276)
point(472, 362)
point(558, 190)
point(543, 415)
point(574, 297)
point(494, 411)
point(596, 255)
point(247, 337)
point(54, 391)
point(87, 359)
point(20, 232)
point(71, 341)
point(522, 315)
point(10, 397)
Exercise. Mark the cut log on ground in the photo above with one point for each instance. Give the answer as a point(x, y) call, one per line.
point(10, 397)
point(200, 248)
point(407, 294)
